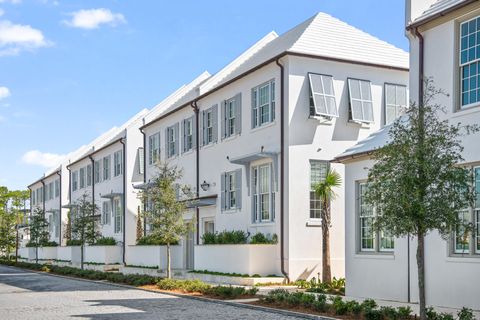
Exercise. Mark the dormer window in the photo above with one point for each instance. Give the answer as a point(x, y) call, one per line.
point(361, 105)
point(322, 96)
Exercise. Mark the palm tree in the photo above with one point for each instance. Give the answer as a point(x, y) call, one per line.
point(324, 189)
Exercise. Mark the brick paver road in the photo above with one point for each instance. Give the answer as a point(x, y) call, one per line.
point(28, 295)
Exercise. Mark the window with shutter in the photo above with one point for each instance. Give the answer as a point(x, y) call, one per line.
point(210, 125)
point(231, 190)
point(117, 207)
point(82, 178)
point(187, 131)
point(263, 104)
point(361, 105)
point(395, 101)
point(172, 141)
point(117, 163)
point(263, 196)
point(141, 160)
point(154, 148)
point(97, 168)
point(322, 96)
point(89, 175)
point(106, 168)
point(75, 180)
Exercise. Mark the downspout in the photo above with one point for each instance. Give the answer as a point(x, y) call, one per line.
point(282, 168)
point(69, 220)
point(43, 197)
point(197, 164)
point(93, 178)
point(420, 101)
point(124, 196)
point(60, 208)
point(144, 177)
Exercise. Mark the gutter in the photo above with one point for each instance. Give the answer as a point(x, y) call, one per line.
point(60, 208)
point(197, 163)
point(414, 25)
point(282, 168)
point(93, 178)
point(95, 151)
point(124, 196)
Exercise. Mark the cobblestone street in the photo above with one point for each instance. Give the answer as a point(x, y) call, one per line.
point(27, 295)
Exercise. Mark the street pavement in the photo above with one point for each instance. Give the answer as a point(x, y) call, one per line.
point(29, 295)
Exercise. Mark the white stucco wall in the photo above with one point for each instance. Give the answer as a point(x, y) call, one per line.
point(155, 256)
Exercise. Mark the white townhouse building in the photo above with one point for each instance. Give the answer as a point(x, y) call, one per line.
point(444, 46)
point(253, 138)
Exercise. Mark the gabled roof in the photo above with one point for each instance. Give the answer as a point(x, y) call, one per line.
point(437, 9)
point(322, 35)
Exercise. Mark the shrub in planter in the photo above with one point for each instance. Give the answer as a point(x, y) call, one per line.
point(294, 299)
point(404, 312)
point(339, 306)
point(276, 296)
point(321, 303)
point(74, 242)
point(389, 313)
point(307, 300)
point(150, 240)
point(209, 238)
point(372, 314)
point(354, 307)
point(465, 314)
point(105, 241)
point(369, 304)
point(232, 237)
point(260, 238)
point(49, 244)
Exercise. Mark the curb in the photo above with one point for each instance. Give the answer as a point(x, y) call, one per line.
point(198, 298)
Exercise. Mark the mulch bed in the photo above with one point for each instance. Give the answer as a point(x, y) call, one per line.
point(153, 287)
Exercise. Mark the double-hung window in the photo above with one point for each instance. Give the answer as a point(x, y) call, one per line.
point(89, 175)
point(322, 96)
point(370, 239)
point(263, 196)
point(141, 160)
point(117, 207)
point(46, 193)
point(469, 62)
point(82, 178)
point(171, 136)
point(188, 134)
point(318, 172)
point(263, 104)
point(395, 101)
point(34, 197)
point(56, 222)
point(117, 163)
point(361, 104)
point(231, 185)
point(154, 148)
point(97, 167)
point(209, 125)
point(106, 168)
point(231, 113)
point(106, 212)
point(466, 235)
point(74, 180)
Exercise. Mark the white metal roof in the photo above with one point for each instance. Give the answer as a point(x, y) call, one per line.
point(437, 7)
point(374, 141)
point(321, 35)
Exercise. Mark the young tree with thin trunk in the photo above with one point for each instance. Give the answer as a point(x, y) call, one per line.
point(168, 204)
point(139, 224)
point(38, 228)
point(417, 184)
point(8, 213)
point(84, 224)
point(325, 190)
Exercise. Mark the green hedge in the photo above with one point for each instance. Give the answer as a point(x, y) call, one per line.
point(74, 242)
point(105, 241)
point(42, 244)
point(198, 286)
point(237, 237)
point(152, 241)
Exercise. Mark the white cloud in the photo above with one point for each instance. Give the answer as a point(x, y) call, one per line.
point(4, 92)
point(15, 38)
point(93, 18)
point(2, 12)
point(44, 159)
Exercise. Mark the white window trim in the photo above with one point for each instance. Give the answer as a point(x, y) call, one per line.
point(361, 100)
point(271, 103)
point(256, 205)
point(396, 105)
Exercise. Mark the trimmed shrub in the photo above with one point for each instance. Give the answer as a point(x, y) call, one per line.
point(226, 237)
point(369, 304)
point(465, 314)
point(404, 312)
point(372, 314)
point(339, 305)
point(389, 313)
point(151, 240)
point(354, 307)
point(105, 241)
point(74, 242)
point(209, 238)
point(260, 238)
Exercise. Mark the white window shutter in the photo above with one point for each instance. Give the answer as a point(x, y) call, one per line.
point(215, 122)
point(223, 119)
point(222, 193)
point(176, 135)
point(194, 132)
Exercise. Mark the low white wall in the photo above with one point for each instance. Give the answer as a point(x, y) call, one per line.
point(64, 253)
point(103, 254)
point(248, 259)
point(47, 253)
point(153, 256)
point(23, 252)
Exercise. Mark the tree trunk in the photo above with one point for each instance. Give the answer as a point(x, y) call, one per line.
point(81, 256)
point(36, 253)
point(421, 274)
point(326, 269)
point(169, 270)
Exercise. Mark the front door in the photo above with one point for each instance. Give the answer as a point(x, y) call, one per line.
point(189, 245)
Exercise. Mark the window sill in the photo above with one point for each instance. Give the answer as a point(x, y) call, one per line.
point(230, 211)
point(186, 153)
point(264, 126)
point(322, 120)
point(464, 259)
point(206, 146)
point(263, 224)
point(230, 138)
point(362, 125)
point(314, 223)
point(466, 111)
point(375, 255)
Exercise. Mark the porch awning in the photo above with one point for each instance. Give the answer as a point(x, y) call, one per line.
point(247, 159)
point(70, 206)
point(144, 186)
point(111, 195)
point(203, 202)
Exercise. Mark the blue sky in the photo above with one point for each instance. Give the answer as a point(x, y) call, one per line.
point(70, 69)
